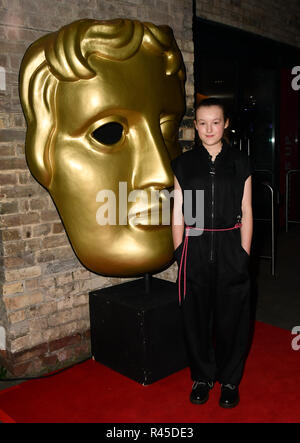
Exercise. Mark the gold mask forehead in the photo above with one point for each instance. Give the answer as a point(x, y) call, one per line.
point(65, 65)
point(67, 51)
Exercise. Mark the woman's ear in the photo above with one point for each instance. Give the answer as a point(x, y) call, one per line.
point(226, 123)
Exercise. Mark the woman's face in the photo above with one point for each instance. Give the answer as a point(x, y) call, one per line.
point(210, 125)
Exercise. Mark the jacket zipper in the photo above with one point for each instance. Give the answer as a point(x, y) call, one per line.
point(212, 174)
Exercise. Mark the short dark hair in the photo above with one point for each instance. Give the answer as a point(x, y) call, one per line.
point(213, 101)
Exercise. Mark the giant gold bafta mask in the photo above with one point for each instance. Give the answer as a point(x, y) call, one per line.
point(103, 101)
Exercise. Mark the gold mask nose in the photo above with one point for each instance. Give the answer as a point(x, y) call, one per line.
point(103, 101)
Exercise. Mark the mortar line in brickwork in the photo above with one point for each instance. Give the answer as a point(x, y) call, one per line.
point(25, 27)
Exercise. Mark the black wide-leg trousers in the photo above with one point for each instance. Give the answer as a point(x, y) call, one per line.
point(216, 308)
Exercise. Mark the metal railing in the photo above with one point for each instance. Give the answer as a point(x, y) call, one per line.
point(272, 220)
point(272, 257)
point(287, 196)
point(240, 143)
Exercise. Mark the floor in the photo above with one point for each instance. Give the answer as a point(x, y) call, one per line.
point(276, 298)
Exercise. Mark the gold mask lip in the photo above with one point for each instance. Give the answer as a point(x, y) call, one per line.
point(146, 212)
point(145, 215)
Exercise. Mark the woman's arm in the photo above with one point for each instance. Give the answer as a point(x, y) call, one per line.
point(247, 216)
point(177, 216)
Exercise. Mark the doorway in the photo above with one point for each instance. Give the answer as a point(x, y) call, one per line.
point(247, 72)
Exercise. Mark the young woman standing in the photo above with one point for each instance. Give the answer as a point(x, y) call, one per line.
point(213, 277)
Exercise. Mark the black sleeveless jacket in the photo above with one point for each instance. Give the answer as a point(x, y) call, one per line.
point(222, 182)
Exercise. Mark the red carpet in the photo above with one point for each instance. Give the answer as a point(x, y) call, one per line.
point(90, 392)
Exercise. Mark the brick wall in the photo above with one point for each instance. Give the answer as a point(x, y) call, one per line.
point(275, 19)
point(44, 288)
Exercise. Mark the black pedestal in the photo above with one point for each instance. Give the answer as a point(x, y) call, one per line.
point(136, 333)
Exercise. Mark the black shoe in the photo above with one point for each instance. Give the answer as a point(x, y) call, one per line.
point(200, 392)
point(229, 396)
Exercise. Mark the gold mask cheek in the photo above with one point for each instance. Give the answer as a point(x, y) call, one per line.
point(79, 175)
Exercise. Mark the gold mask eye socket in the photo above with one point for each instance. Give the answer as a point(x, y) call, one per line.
point(109, 133)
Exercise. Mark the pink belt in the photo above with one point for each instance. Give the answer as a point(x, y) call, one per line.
point(184, 255)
